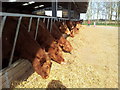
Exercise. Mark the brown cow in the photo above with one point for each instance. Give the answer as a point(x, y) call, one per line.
point(26, 47)
point(71, 26)
point(78, 24)
point(65, 44)
point(45, 39)
point(64, 29)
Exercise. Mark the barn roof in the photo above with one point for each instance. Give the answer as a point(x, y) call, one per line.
point(80, 7)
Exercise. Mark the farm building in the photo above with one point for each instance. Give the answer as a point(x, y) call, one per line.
point(42, 46)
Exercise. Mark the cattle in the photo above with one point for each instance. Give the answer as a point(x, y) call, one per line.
point(78, 24)
point(71, 26)
point(26, 48)
point(49, 42)
point(63, 28)
point(45, 39)
point(65, 44)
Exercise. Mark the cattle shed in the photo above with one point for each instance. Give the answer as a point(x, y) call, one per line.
point(21, 68)
point(26, 8)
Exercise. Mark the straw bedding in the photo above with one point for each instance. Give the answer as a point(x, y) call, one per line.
point(92, 64)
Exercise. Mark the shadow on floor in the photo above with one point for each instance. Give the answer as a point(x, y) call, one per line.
point(56, 84)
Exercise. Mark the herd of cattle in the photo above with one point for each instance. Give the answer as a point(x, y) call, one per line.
point(47, 46)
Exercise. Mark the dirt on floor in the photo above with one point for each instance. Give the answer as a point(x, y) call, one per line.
point(92, 64)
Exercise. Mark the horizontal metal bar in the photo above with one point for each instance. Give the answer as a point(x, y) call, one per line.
point(30, 24)
point(28, 15)
point(15, 40)
point(37, 28)
point(23, 15)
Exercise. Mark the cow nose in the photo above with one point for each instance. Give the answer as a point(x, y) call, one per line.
point(46, 77)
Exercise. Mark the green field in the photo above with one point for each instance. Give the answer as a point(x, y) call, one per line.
point(117, 25)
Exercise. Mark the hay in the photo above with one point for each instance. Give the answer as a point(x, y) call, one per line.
point(92, 64)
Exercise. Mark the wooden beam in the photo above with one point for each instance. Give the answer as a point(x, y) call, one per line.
point(19, 70)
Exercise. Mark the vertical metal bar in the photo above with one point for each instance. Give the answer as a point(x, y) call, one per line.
point(15, 40)
point(30, 24)
point(37, 28)
point(59, 19)
point(54, 20)
point(3, 22)
point(51, 25)
point(48, 23)
point(44, 20)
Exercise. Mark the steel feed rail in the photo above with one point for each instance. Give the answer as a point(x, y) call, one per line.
point(30, 22)
point(28, 15)
point(36, 16)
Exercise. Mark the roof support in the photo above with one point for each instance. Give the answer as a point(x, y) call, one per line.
point(76, 15)
point(54, 8)
point(79, 16)
point(69, 10)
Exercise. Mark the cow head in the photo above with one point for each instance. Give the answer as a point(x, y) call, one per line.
point(70, 24)
point(76, 30)
point(42, 65)
point(72, 34)
point(64, 29)
point(66, 46)
point(67, 31)
point(55, 53)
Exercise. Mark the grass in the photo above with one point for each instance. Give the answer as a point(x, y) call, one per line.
point(117, 25)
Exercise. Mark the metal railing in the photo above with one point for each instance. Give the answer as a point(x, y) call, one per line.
point(5, 15)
